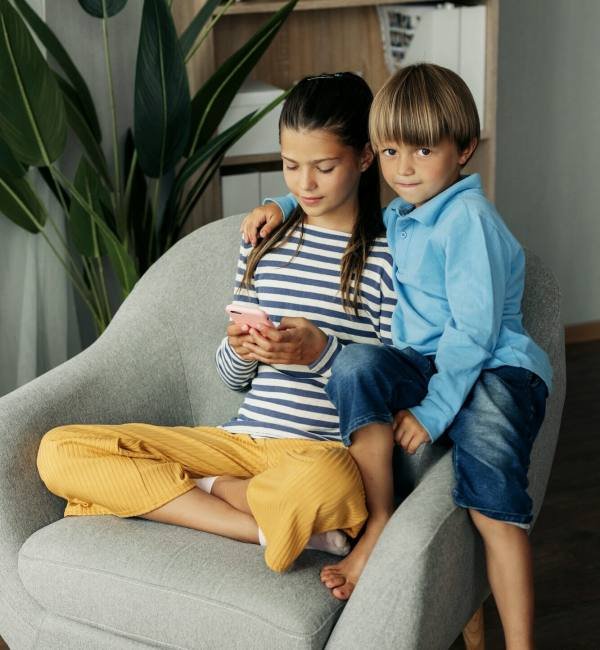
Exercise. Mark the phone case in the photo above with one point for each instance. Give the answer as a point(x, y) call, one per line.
point(251, 316)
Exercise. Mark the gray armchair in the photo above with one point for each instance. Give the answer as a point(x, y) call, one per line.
point(104, 582)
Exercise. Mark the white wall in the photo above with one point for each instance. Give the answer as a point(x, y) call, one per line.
point(548, 165)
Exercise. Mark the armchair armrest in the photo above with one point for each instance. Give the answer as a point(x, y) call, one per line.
point(117, 379)
point(425, 577)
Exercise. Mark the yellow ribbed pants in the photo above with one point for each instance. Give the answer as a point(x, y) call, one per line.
point(298, 487)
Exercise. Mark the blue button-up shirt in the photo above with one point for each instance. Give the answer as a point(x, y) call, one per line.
point(460, 276)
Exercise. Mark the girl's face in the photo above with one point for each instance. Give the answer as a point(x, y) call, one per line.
point(323, 174)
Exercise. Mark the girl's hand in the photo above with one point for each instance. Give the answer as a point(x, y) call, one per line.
point(296, 341)
point(264, 218)
point(237, 336)
point(408, 432)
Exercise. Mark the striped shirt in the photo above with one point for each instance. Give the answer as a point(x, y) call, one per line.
point(289, 401)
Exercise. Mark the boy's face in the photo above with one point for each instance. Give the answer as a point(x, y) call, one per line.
point(417, 174)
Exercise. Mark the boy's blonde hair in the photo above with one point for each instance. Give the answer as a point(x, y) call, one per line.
point(423, 104)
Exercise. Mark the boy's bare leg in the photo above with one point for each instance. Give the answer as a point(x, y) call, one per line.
point(372, 448)
point(510, 573)
point(201, 511)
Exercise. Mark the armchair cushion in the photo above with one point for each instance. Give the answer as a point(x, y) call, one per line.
point(174, 586)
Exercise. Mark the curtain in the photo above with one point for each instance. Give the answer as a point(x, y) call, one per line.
point(38, 324)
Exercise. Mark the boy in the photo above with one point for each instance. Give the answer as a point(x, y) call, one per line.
point(461, 361)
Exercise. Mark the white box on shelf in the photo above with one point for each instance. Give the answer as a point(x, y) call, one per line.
point(472, 53)
point(436, 39)
point(453, 37)
point(263, 137)
point(240, 193)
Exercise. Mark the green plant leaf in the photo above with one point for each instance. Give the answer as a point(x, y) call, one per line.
point(61, 56)
point(8, 163)
point(63, 197)
point(20, 204)
point(214, 98)
point(222, 142)
point(162, 95)
point(120, 259)
point(188, 38)
point(81, 225)
point(82, 130)
point(96, 7)
point(138, 223)
point(208, 158)
point(32, 112)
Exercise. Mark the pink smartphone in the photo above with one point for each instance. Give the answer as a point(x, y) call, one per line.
point(251, 316)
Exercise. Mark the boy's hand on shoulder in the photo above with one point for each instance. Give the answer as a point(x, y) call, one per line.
point(261, 222)
point(408, 432)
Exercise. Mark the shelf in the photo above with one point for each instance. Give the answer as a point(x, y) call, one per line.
point(256, 159)
point(252, 7)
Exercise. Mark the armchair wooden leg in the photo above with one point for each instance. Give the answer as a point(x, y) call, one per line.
point(474, 632)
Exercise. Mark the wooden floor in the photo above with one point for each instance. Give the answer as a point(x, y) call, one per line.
point(566, 538)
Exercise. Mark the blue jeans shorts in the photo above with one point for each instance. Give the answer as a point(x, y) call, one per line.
point(491, 436)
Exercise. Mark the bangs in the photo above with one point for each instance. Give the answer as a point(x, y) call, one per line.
point(421, 106)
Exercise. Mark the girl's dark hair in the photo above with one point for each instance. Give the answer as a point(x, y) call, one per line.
point(338, 103)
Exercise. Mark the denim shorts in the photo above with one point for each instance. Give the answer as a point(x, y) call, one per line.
point(491, 436)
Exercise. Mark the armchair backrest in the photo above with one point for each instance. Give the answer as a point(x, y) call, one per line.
point(187, 290)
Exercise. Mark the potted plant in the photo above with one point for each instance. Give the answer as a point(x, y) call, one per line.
point(172, 150)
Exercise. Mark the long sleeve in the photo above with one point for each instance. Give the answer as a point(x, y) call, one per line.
point(477, 264)
point(323, 364)
point(387, 302)
point(235, 372)
point(286, 204)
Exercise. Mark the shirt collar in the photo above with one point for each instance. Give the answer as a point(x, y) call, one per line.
point(429, 211)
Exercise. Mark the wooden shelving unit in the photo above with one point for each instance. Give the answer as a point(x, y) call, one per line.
point(251, 7)
point(320, 36)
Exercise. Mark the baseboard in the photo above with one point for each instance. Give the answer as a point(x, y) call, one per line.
point(583, 332)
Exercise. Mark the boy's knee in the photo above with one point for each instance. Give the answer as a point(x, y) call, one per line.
point(356, 360)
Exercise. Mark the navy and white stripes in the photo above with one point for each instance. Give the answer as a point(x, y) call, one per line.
point(286, 401)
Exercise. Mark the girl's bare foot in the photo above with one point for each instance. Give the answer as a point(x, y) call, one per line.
point(341, 578)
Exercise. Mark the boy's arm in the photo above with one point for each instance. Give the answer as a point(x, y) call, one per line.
point(477, 265)
point(261, 221)
point(287, 204)
point(235, 372)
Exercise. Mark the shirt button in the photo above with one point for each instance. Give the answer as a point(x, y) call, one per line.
point(404, 234)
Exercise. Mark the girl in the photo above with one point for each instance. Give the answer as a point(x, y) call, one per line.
point(277, 473)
